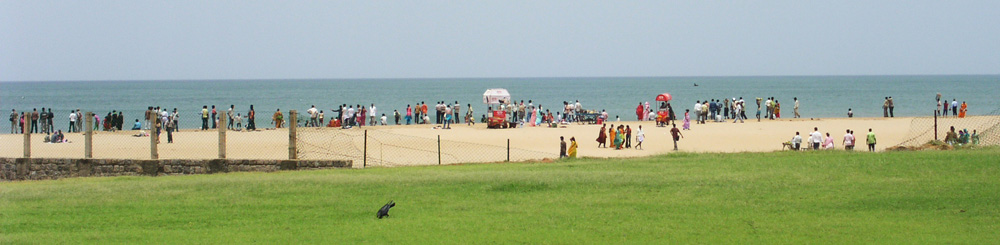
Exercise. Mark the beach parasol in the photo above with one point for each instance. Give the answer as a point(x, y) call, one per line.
point(663, 97)
point(493, 96)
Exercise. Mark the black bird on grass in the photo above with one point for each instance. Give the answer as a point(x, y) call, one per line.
point(384, 211)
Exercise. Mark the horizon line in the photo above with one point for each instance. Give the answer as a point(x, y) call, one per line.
point(454, 78)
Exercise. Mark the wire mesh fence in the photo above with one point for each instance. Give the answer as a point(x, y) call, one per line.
point(982, 130)
point(374, 147)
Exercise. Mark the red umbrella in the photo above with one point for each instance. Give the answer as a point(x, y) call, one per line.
point(663, 97)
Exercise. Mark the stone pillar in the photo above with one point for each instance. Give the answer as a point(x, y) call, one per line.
point(27, 138)
point(88, 137)
point(153, 154)
point(293, 119)
point(222, 136)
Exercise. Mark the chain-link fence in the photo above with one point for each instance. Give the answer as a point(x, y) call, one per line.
point(982, 130)
point(376, 147)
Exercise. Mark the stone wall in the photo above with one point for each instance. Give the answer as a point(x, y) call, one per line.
point(57, 168)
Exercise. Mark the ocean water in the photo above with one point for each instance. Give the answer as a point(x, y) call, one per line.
point(820, 96)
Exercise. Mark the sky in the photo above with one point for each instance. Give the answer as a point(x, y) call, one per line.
point(43, 40)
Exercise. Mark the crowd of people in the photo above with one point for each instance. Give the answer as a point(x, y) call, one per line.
point(817, 141)
point(957, 109)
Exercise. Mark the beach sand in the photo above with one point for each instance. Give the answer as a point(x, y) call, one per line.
point(417, 144)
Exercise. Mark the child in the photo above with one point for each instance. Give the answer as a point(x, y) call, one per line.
point(239, 121)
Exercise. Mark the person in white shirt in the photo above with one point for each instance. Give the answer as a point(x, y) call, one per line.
point(640, 136)
point(849, 141)
point(697, 111)
point(312, 117)
point(954, 107)
point(384, 120)
point(737, 111)
point(72, 122)
point(815, 138)
point(371, 116)
point(796, 141)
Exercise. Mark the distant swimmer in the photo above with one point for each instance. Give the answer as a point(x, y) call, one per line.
point(696, 85)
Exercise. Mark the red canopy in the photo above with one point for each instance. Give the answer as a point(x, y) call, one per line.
point(663, 97)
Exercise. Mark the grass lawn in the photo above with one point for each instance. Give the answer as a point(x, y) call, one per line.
point(783, 197)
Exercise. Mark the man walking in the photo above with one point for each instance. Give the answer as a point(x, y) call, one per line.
point(815, 138)
point(871, 140)
point(676, 133)
point(738, 110)
point(849, 141)
point(796, 108)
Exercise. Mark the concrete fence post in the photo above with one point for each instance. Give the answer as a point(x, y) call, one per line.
point(153, 154)
point(292, 137)
point(88, 137)
point(27, 138)
point(222, 137)
point(364, 162)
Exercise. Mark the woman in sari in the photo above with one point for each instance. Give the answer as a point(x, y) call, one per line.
point(601, 137)
point(611, 136)
point(618, 138)
point(961, 112)
point(573, 146)
point(777, 109)
point(687, 119)
point(540, 116)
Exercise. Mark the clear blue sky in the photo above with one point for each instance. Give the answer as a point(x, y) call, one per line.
point(42, 40)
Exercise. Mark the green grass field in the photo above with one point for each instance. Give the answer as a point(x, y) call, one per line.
point(782, 197)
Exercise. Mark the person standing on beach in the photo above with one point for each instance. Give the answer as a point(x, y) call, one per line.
point(796, 141)
point(954, 107)
point(850, 113)
point(628, 137)
point(13, 121)
point(871, 140)
point(572, 147)
point(602, 137)
point(468, 116)
point(409, 114)
point(321, 117)
point(34, 121)
point(204, 117)
point(885, 107)
point(456, 110)
point(42, 119)
point(639, 112)
point(446, 123)
point(737, 110)
point(395, 114)
point(892, 106)
point(372, 114)
point(215, 115)
point(815, 138)
point(562, 147)
point(687, 119)
point(278, 118)
point(423, 112)
point(849, 141)
point(962, 110)
point(313, 117)
point(251, 115)
point(697, 111)
point(767, 104)
point(72, 121)
point(796, 108)
point(230, 114)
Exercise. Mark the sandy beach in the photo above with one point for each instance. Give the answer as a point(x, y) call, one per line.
point(417, 145)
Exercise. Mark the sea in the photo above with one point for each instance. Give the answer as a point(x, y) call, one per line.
point(819, 96)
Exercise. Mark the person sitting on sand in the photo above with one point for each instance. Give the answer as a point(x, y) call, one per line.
point(963, 137)
point(137, 125)
point(58, 137)
point(951, 137)
point(572, 147)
